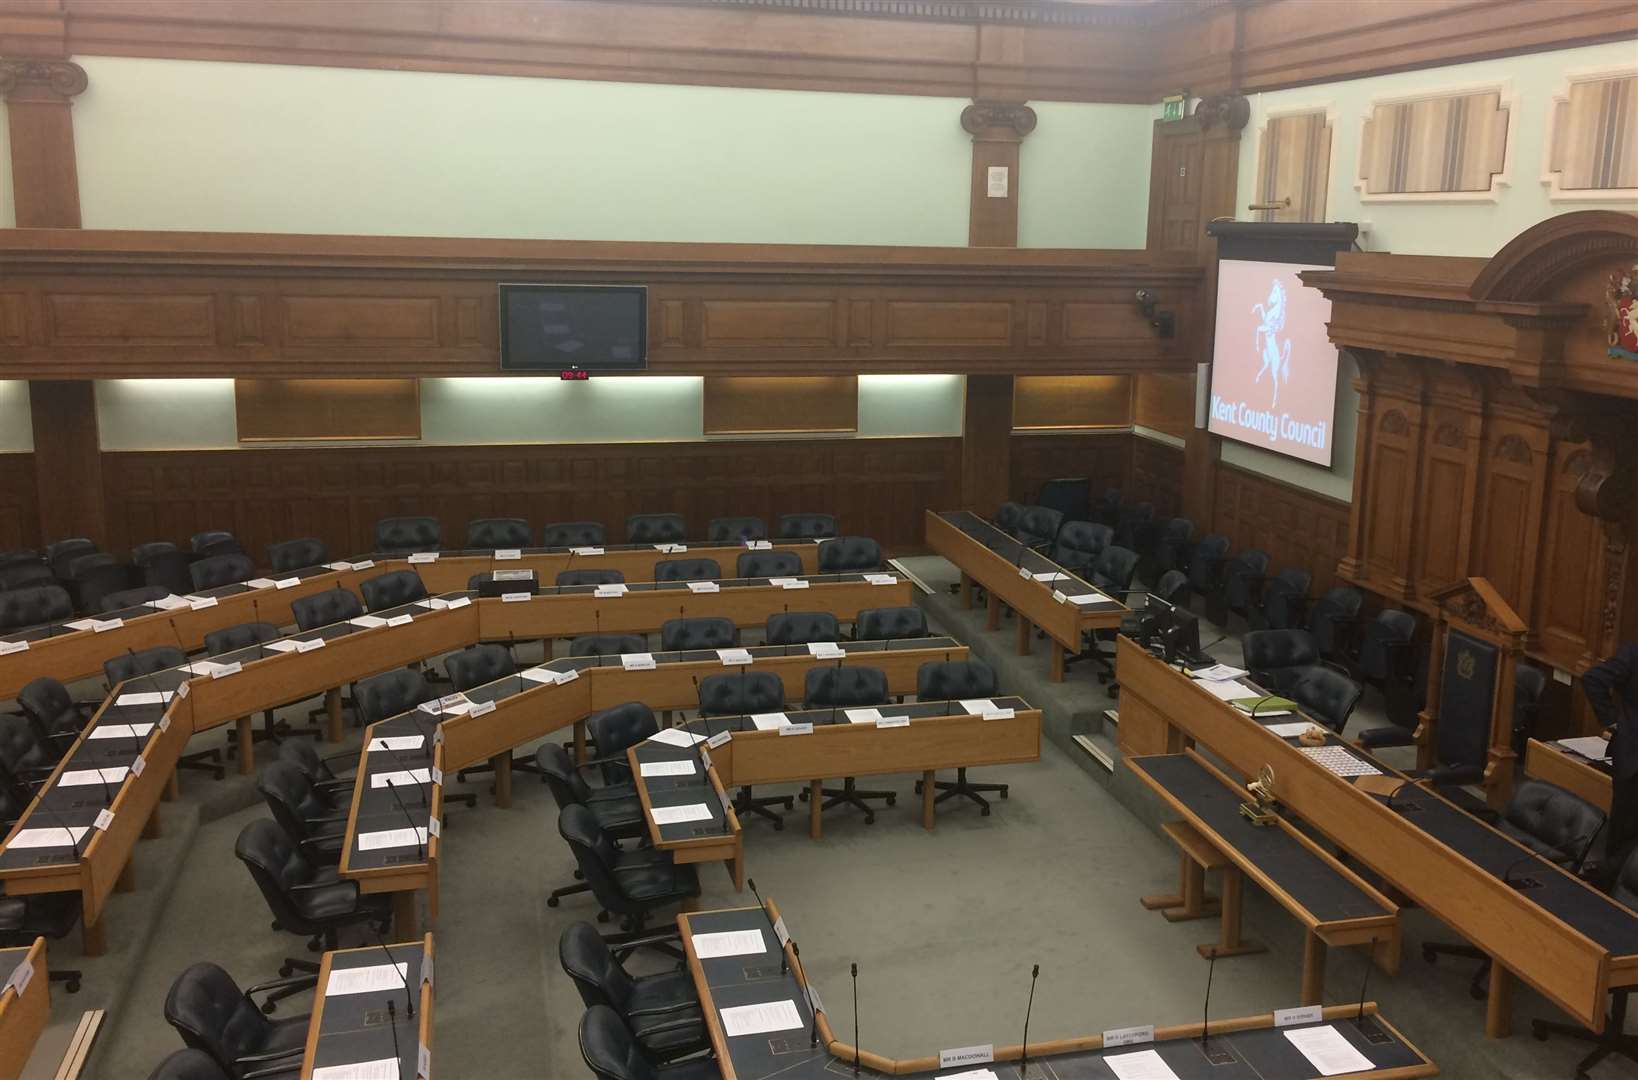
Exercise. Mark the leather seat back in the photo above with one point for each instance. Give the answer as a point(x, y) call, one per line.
point(1207, 561)
point(827, 686)
point(1243, 580)
point(737, 694)
point(598, 976)
point(130, 598)
point(325, 608)
point(889, 623)
point(390, 693)
point(736, 530)
point(574, 534)
point(407, 535)
point(214, 542)
point(1039, 525)
point(687, 570)
point(698, 633)
point(391, 589)
point(143, 554)
point(849, 553)
point(616, 728)
point(479, 664)
point(25, 575)
point(219, 570)
point(299, 554)
point(49, 704)
point(1338, 606)
point(207, 1008)
point(801, 627)
point(806, 526)
point(33, 605)
point(118, 669)
point(1112, 570)
point(1008, 516)
point(590, 577)
point(563, 779)
point(242, 636)
point(277, 866)
point(950, 680)
point(1329, 696)
point(656, 529)
point(609, 1049)
point(768, 564)
point(1271, 656)
point(607, 644)
point(487, 534)
point(62, 554)
point(189, 1064)
point(1552, 821)
point(1284, 598)
point(1079, 543)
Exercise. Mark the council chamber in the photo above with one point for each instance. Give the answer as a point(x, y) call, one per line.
point(794, 539)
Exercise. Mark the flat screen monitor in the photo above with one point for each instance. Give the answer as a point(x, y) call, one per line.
point(562, 328)
point(1274, 369)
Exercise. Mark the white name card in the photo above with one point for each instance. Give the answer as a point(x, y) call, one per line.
point(20, 977)
point(105, 818)
point(881, 579)
point(639, 661)
point(826, 650)
point(1305, 1014)
point(9, 647)
point(222, 671)
point(1000, 714)
point(966, 1055)
point(516, 597)
point(734, 657)
point(609, 591)
point(586, 550)
point(460, 602)
point(508, 553)
point(481, 708)
point(287, 583)
point(719, 739)
point(1129, 1036)
point(893, 721)
point(796, 583)
point(310, 644)
point(199, 603)
point(796, 729)
point(424, 557)
point(400, 620)
point(704, 587)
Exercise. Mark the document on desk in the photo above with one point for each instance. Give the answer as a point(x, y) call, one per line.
point(1143, 1065)
point(825, 650)
point(862, 716)
point(730, 943)
point(977, 706)
point(85, 777)
point(283, 645)
point(159, 697)
point(704, 587)
point(677, 815)
point(540, 675)
point(171, 602)
point(260, 583)
point(684, 767)
point(120, 731)
point(1589, 747)
point(368, 622)
point(397, 742)
point(1327, 1051)
point(401, 778)
point(1226, 689)
point(971, 1074)
point(1218, 673)
point(1289, 731)
point(756, 1019)
point(367, 980)
point(1049, 576)
point(391, 838)
point(379, 1069)
point(677, 737)
point(52, 836)
point(734, 657)
point(1091, 598)
point(769, 721)
point(882, 579)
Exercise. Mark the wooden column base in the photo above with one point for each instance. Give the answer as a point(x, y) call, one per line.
point(1024, 630)
point(503, 779)
point(93, 938)
point(332, 714)
point(1498, 1009)
point(247, 746)
point(992, 613)
point(406, 915)
point(1229, 942)
point(1313, 969)
point(1058, 656)
point(927, 799)
point(816, 797)
point(966, 592)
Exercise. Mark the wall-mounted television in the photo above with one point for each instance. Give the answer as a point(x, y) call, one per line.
point(559, 328)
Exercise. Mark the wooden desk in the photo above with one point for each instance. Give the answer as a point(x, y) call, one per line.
point(813, 1052)
point(1555, 764)
point(453, 569)
point(340, 1033)
point(1335, 906)
point(718, 838)
point(1005, 568)
point(405, 871)
point(22, 1015)
point(1566, 939)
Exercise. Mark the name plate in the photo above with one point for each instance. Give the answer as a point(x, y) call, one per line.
point(704, 587)
point(797, 729)
point(893, 721)
point(585, 551)
point(310, 644)
point(480, 708)
point(287, 583)
point(719, 739)
point(424, 557)
point(641, 661)
point(9, 647)
point(1306, 1014)
point(516, 597)
point(1000, 714)
point(734, 657)
point(966, 1055)
point(1130, 1036)
point(508, 553)
point(199, 603)
point(608, 592)
point(222, 671)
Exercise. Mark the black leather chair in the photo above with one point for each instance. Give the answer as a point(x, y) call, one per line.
point(47, 915)
point(1079, 543)
point(488, 534)
point(745, 693)
point(479, 664)
point(889, 624)
point(768, 564)
point(60, 555)
point(26, 575)
point(1529, 693)
point(26, 760)
point(1008, 516)
point(325, 608)
point(216, 1018)
point(1331, 621)
point(392, 589)
point(1206, 563)
point(1132, 523)
point(34, 605)
point(11, 558)
point(656, 529)
point(391, 693)
point(806, 526)
point(1387, 661)
point(1039, 526)
point(310, 815)
point(574, 534)
point(219, 570)
point(1243, 585)
point(1615, 1038)
point(698, 633)
point(1071, 496)
point(408, 535)
point(590, 577)
point(130, 598)
point(1326, 695)
point(133, 665)
point(633, 885)
point(801, 627)
point(53, 712)
point(847, 554)
point(214, 542)
point(172, 569)
point(1285, 600)
point(847, 688)
point(687, 570)
point(95, 576)
point(231, 639)
point(1112, 572)
point(1106, 507)
point(613, 731)
point(662, 1011)
point(1553, 823)
point(1173, 544)
point(607, 644)
point(332, 774)
point(1274, 658)
point(956, 680)
point(735, 530)
point(189, 1064)
point(304, 898)
point(612, 1052)
point(288, 555)
point(617, 808)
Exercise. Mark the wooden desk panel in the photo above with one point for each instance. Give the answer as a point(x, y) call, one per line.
point(1160, 707)
point(315, 1023)
point(1544, 761)
point(24, 1016)
point(452, 571)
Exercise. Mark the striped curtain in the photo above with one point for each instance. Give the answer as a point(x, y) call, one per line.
point(1595, 136)
point(1294, 161)
point(1438, 144)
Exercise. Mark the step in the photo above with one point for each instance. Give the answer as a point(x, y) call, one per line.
point(1098, 753)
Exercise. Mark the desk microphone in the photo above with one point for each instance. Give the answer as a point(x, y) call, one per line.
point(58, 818)
point(512, 654)
point(1591, 840)
point(856, 1051)
point(153, 684)
point(1524, 882)
point(1023, 1051)
point(813, 1037)
point(392, 1019)
point(256, 613)
point(784, 962)
point(420, 850)
point(397, 757)
point(177, 634)
point(409, 1002)
point(836, 691)
point(699, 747)
point(1205, 1011)
point(1400, 790)
point(597, 629)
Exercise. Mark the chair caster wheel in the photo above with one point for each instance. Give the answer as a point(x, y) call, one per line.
point(1476, 993)
point(891, 799)
point(73, 986)
point(984, 811)
point(268, 1008)
point(1536, 1030)
point(779, 826)
point(803, 795)
point(870, 819)
point(918, 787)
point(578, 876)
point(602, 916)
point(284, 971)
point(552, 901)
point(1429, 956)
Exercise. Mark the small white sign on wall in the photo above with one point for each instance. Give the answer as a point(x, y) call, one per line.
point(997, 186)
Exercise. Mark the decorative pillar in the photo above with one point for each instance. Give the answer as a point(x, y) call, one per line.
point(998, 129)
point(45, 184)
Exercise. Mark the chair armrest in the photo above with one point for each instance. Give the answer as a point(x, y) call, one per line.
point(663, 1009)
point(280, 984)
point(257, 1059)
point(625, 948)
point(325, 885)
point(277, 1070)
point(1386, 736)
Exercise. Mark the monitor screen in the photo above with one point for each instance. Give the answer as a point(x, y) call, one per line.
point(1274, 369)
point(560, 328)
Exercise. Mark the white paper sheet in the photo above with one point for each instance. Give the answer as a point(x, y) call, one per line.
point(882, 579)
point(1339, 761)
point(1289, 731)
point(367, 980)
point(368, 622)
point(146, 697)
point(540, 675)
point(9, 647)
point(972, 1074)
point(730, 943)
point(401, 778)
point(676, 815)
point(1084, 599)
point(391, 838)
point(260, 583)
point(862, 716)
point(667, 768)
point(704, 587)
point(734, 657)
point(89, 777)
point(756, 1019)
point(1143, 1065)
point(825, 650)
point(1328, 1051)
point(1218, 673)
point(769, 721)
point(120, 731)
point(51, 836)
point(1227, 689)
point(677, 737)
point(977, 706)
point(171, 602)
point(637, 661)
point(397, 742)
point(379, 1069)
point(282, 645)
point(1589, 747)
point(1046, 577)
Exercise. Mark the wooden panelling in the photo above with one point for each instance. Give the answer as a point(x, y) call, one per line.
point(986, 447)
point(1570, 605)
point(1104, 458)
point(19, 513)
point(1071, 401)
point(271, 410)
point(67, 461)
point(751, 404)
point(128, 304)
point(1164, 403)
point(39, 92)
point(1296, 527)
point(1156, 477)
point(876, 487)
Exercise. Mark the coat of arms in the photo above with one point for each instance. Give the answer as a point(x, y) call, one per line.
point(1623, 313)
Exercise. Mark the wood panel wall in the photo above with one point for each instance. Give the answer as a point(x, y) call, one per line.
point(112, 304)
point(1156, 477)
point(876, 487)
point(19, 509)
point(1295, 526)
point(1104, 457)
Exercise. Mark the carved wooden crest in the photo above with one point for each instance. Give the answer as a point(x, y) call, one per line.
point(1621, 313)
point(1474, 606)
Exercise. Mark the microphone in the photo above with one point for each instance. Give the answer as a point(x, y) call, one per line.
point(1396, 793)
point(1522, 883)
point(1205, 1010)
point(400, 760)
point(699, 747)
point(1591, 840)
point(813, 1037)
point(835, 696)
point(597, 627)
point(409, 1001)
point(1023, 1052)
point(397, 1054)
point(153, 684)
point(58, 818)
point(256, 613)
point(177, 634)
point(420, 851)
point(512, 654)
point(856, 1051)
point(784, 962)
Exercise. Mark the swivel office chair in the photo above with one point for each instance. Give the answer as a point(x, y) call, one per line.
point(47, 915)
point(61, 554)
point(34, 605)
point(219, 570)
point(325, 608)
point(20, 575)
point(214, 542)
point(682, 635)
point(616, 808)
point(806, 526)
point(133, 665)
point(299, 554)
point(1331, 620)
point(662, 1011)
point(800, 628)
point(1326, 695)
point(53, 711)
point(143, 554)
point(1243, 585)
point(96, 576)
point(216, 1018)
point(612, 1052)
point(492, 534)
point(848, 554)
point(127, 599)
point(589, 577)
point(1275, 658)
point(1285, 600)
point(607, 644)
point(574, 534)
point(239, 637)
point(26, 760)
point(1008, 516)
point(408, 535)
point(613, 731)
point(473, 667)
point(1039, 526)
point(656, 529)
point(1206, 563)
point(309, 815)
point(735, 530)
point(1387, 661)
point(1079, 543)
point(303, 898)
point(746, 693)
point(845, 688)
point(954, 680)
point(399, 691)
point(758, 564)
point(393, 589)
point(687, 570)
point(633, 885)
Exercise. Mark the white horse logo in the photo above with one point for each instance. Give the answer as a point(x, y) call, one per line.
point(1276, 354)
